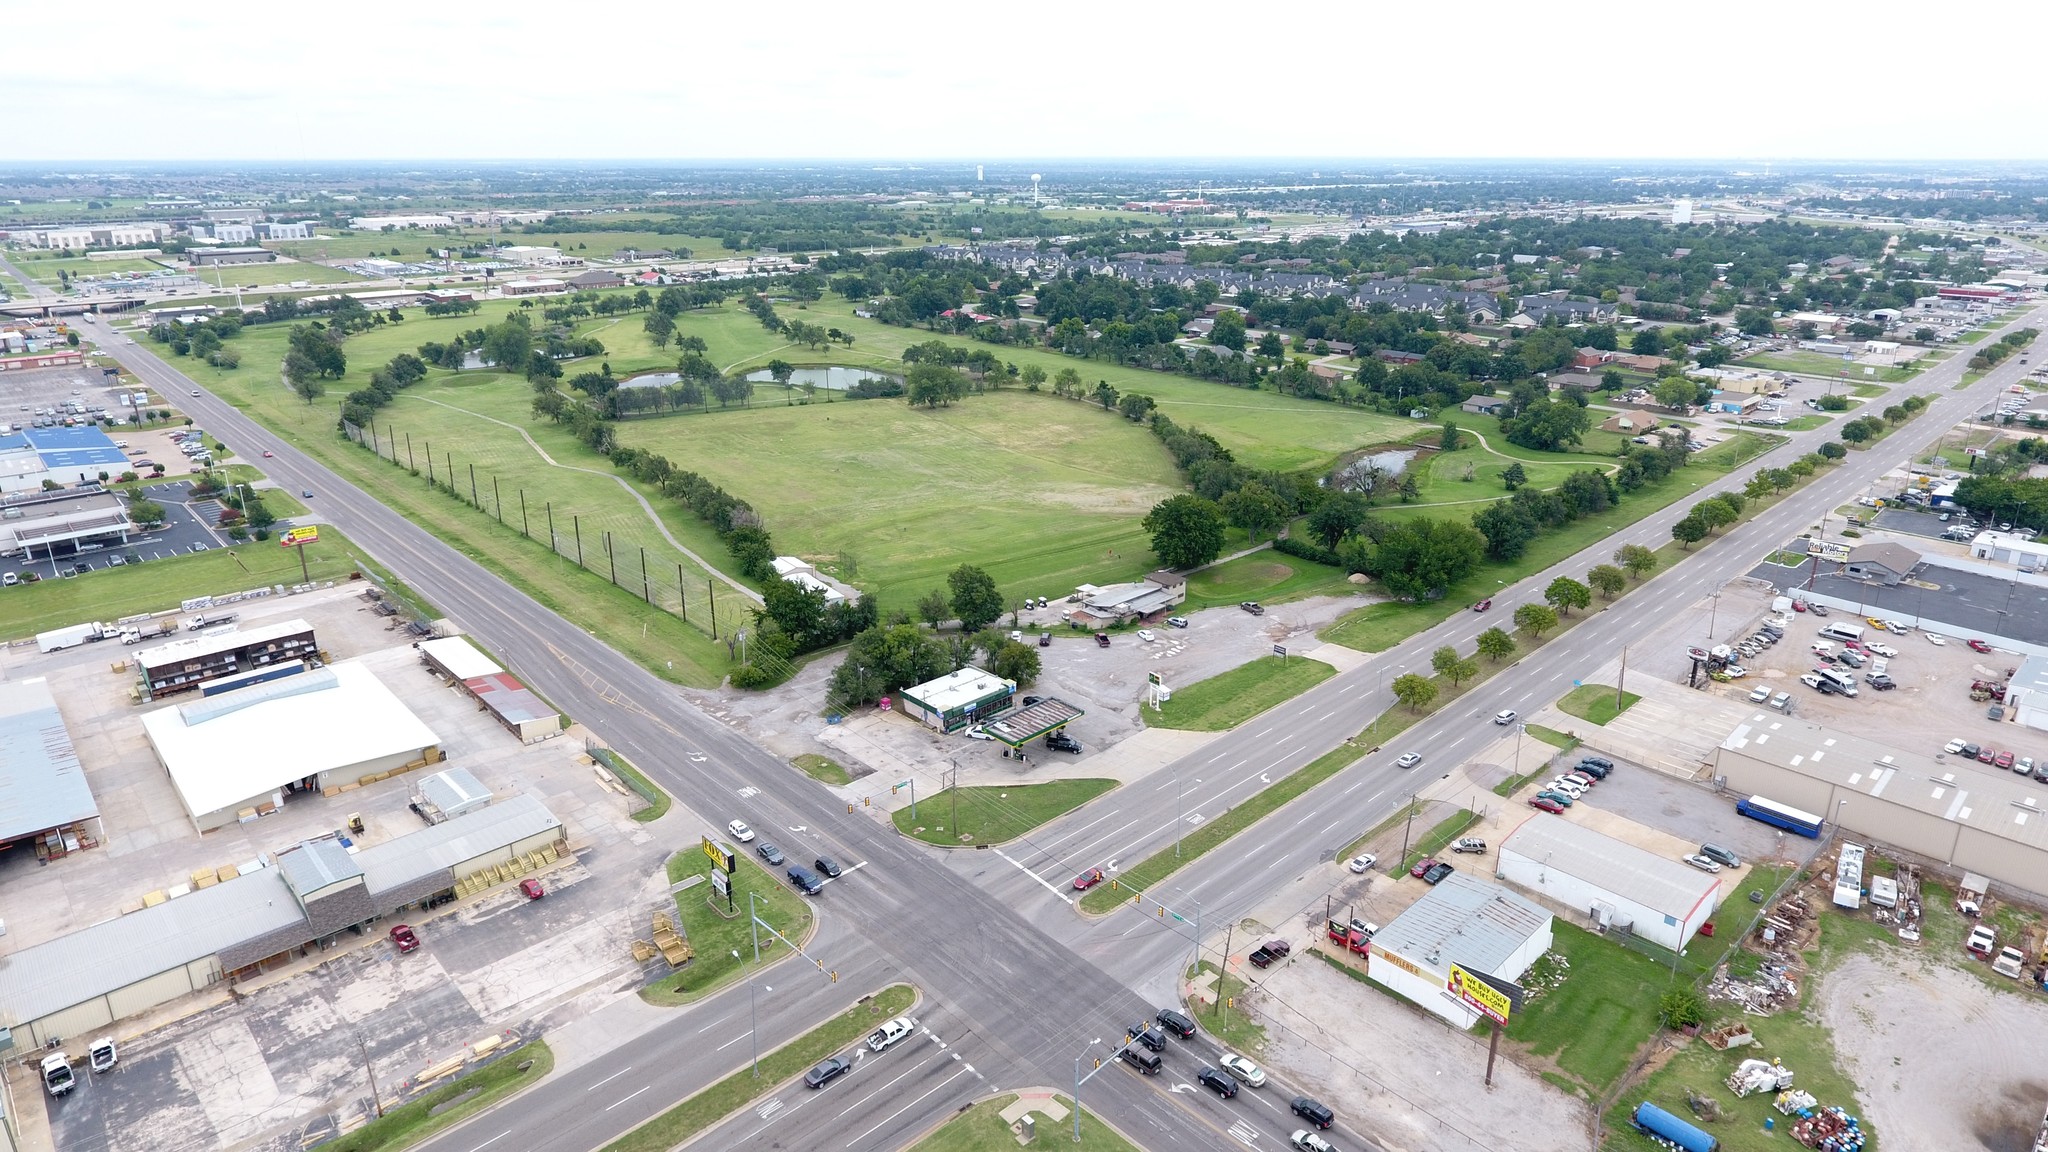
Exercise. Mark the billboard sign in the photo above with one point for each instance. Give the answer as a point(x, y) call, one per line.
point(294, 537)
point(721, 855)
point(1833, 553)
point(1493, 999)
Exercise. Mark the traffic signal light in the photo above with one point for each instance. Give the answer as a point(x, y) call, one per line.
point(1098, 1061)
point(835, 975)
point(849, 809)
point(1115, 884)
point(867, 801)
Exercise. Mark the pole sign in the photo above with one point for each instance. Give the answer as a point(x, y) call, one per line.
point(294, 537)
point(1830, 551)
point(721, 855)
point(1280, 650)
point(721, 883)
point(1491, 998)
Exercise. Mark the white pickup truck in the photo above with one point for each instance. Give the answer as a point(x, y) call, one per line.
point(891, 1034)
point(2011, 962)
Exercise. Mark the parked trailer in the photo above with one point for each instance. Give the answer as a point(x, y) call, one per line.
point(72, 637)
point(1657, 1122)
point(1780, 816)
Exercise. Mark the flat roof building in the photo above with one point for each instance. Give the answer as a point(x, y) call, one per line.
point(237, 755)
point(183, 665)
point(513, 704)
point(44, 796)
point(40, 524)
point(957, 699)
point(206, 257)
point(1464, 921)
point(1614, 883)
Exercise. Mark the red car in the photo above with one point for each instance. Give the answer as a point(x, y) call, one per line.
point(1421, 866)
point(532, 888)
point(1979, 646)
point(266, 453)
point(1799, 605)
point(1483, 605)
point(1088, 879)
point(402, 935)
point(1545, 804)
point(2003, 760)
point(1986, 754)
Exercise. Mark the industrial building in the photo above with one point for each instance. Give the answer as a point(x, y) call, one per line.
point(1478, 926)
point(533, 286)
point(44, 797)
point(957, 699)
point(40, 525)
point(237, 755)
point(1961, 816)
point(257, 916)
point(1616, 885)
point(182, 665)
point(449, 793)
point(515, 706)
point(207, 257)
point(398, 223)
point(61, 455)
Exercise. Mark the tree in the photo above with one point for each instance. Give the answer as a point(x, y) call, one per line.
point(1895, 414)
point(1647, 342)
point(884, 659)
point(1421, 558)
point(1607, 580)
point(1339, 515)
point(933, 384)
point(1832, 450)
point(1228, 330)
point(1187, 531)
point(1535, 619)
point(661, 328)
point(146, 511)
point(976, 602)
point(1453, 667)
point(509, 343)
point(1565, 594)
point(1612, 380)
point(1014, 661)
point(1496, 645)
point(1032, 376)
point(1448, 442)
point(1514, 476)
point(1714, 513)
point(1414, 691)
point(1682, 1007)
point(1855, 432)
point(1271, 347)
point(1689, 531)
point(934, 609)
point(780, 371)
point(1636, 560)
point(1255, 509)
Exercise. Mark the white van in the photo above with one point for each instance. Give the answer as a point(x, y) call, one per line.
point(1842, 632)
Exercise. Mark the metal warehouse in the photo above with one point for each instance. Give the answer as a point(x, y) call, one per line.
point(1615, 883)
point(1462, 921)
point(44, 796)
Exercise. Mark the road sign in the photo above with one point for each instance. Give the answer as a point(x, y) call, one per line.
point(294, 537)
point(720, 854)
point(1280, 650)
point(1493, 999)
point(721, 882)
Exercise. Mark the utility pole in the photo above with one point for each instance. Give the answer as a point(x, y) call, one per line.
point(1621, 681)
point(375, 1097)
point(1222, 975)
point(1406, 829)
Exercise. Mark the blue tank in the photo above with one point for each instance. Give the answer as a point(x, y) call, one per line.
point(1658, 1122)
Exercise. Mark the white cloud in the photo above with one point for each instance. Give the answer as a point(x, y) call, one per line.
point(663, 80)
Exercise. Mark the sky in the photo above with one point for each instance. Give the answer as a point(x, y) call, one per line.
point(374, 80)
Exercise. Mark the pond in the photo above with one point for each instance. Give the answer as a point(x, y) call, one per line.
point(835, 378)
point(1390, 463)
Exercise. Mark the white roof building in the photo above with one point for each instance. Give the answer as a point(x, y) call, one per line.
point(236, 755)
point(1465, 921)
point(457, 657)
point(1660, 899)
point(398, 223)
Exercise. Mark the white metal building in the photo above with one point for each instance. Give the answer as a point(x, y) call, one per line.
point(2002, 548)
point(957, 699)
point(1615, 883)
point(1463, 921)
point(236, 755)
point(44, 796)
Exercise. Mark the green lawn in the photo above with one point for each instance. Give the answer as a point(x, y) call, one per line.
point(1804, 423)
point(714, 934)
point(273, 274)
point(715, 1103)
point(1591, 1025)
point(1596, 702)
point(822, 769)
point(1268, 577)
point(1234, 1027)
point(450, 1104)
point(1228, 699)
point(1438, 838)
point(981, 1128)
point(993, 814)
point(1552, 737)
point(107, 594)
point(1798, 360)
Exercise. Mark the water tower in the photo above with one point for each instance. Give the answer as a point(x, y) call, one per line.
point(1034, 188)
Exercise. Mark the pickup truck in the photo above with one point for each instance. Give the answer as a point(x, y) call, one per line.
point(58, 1078)
point(1356, 936)
point(2011, 962)
point(1981, 943)
point(891, 1034)
point(1265, 954)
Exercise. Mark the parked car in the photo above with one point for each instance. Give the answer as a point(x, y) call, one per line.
point(531, 887)
point(1880, 681)
point(1884, 650)
point(1593, 768)
point(827, 1070)
point(1986, 754)
point(770, 853)
point(1436, 874)
point(740, 831)
point(2003, 760)
point(1469, 844)
point(1720, 855)
point(1061, 742)
point(403, 936)
point(1251, 606)
point(1597, 762)
point(976, 733)
point(1544, 803)
point(1244, 1071)
point(1969, 751)
point(1982, 942)
point(1363, 862)
point(1421, 866)
point(1176, 621)
point(1560, 799)
point(1817, 609)
point(1979, 646)
point(1408, 760)
point(1936, 639)
point(1102, 639)
point(1218, 1081)
point(1308, 1141)
point(1759, 694)
point(1269, 952)
point(1146, 635)
point(1703, 863)
point(1045, 639)
point(1088, 879)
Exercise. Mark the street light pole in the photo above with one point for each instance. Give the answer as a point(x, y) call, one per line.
point(1077, 1087)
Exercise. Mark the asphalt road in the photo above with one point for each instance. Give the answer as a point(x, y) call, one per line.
point(1016, 985)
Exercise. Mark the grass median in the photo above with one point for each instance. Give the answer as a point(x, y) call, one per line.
point(982, 1127)
point(1224, 701)
point(451, 1103)
point(714, 934)
point(993, 814)
point(729, 1095)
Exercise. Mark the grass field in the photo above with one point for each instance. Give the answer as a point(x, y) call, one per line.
point(1596, 702)
point(982, 1128)
point(1234, 1027)
point(275, 274)
point(108, 594)
point(713, 934)
point(1591, 1025)
point(1042, 494)
point(1228, 699)
point(343, 245)
point(677, 1125)
point(1267, 576)
point(993, 814)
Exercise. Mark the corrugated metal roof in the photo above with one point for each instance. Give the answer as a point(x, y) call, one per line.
point(510, 700)
point(399, 862)
point(459, 657)
point(1464, 921)
point(197, 647)
point(55, 975)
point(1632, 873)
point(42, 784)
point(454, 789)
point(317, 864)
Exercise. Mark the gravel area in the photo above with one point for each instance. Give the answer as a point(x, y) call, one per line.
point(1944, 1058)
point(1403, 1076)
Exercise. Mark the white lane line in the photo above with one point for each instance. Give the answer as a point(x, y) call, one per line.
point(1083, 828)
point(1084, 849)
point(1035, 876)
point(1355, 787)
point(905, 1108)
point(615, 1104)
point(609, 1079)
point(1239, 764)
point(733, 1041)
point(491, 1141)
point(710, 1026)
point(1332, 824)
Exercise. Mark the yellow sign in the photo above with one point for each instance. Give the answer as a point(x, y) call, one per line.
point(1477, 993)
point(724, 857)
point(1400, 962)
point(293, 537)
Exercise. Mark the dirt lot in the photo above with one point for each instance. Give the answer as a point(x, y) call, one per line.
point(1943, 1058)
point(1403, 1076)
